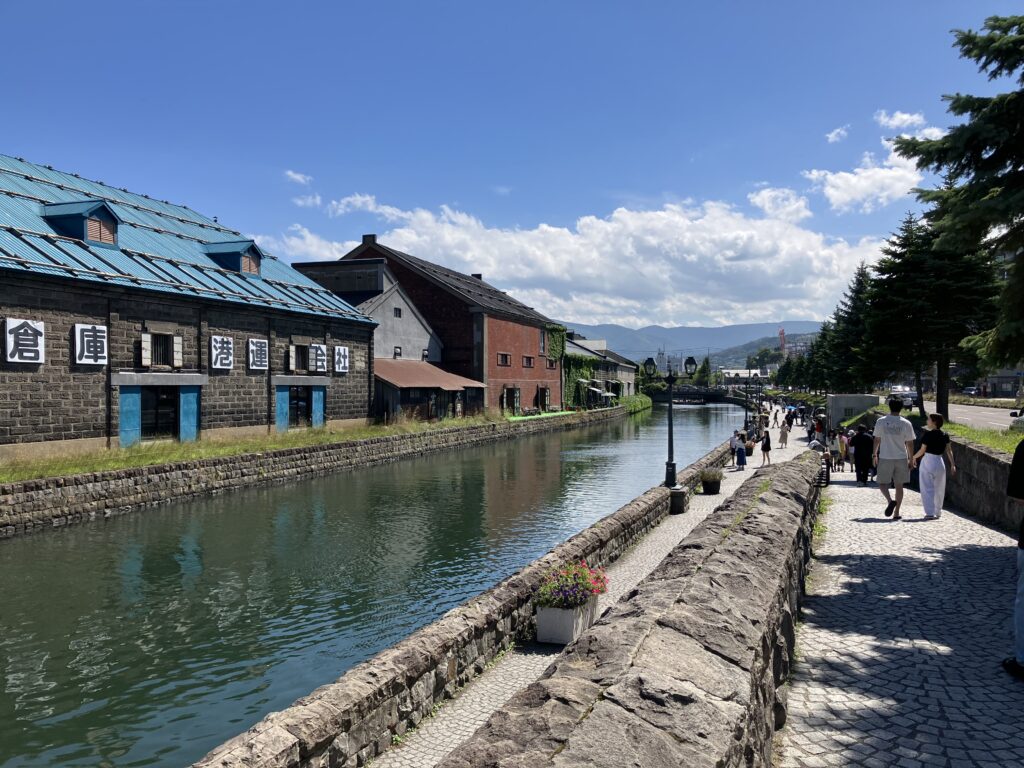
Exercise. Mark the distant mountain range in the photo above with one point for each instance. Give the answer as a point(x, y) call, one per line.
point(640, 343)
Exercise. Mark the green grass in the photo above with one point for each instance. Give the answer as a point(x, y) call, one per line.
point(149, 454)
point(636, 403)
point(547, 415)
point(1000, 439)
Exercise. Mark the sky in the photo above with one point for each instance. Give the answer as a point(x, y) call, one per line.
point(636, 163)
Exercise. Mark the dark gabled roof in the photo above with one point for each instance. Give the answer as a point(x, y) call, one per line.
point(469, 289)
point(160, 246)
point(619, 358)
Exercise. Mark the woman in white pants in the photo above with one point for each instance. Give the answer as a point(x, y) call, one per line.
point(931, 468)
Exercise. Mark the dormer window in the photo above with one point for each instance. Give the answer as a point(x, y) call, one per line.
point(100, 231)
point(92, 221)
point(242, 256)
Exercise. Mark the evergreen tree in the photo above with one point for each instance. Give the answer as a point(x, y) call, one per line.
point(923, 302)
point(853, 358)
point(982, 206)
point(702, 377)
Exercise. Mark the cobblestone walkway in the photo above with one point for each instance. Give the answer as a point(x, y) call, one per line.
point(903, 633)
point(459, 718)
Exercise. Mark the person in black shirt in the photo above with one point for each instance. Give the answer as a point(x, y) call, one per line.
point(1015, 490)
point(932, 470)
point(863, 444)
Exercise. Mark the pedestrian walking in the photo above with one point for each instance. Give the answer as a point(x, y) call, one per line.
point(1015, 490)
point(734, 443)
point(775, 417)
point(784, 434)
point(833, 450)
point(893, 455)
point(766, 449)
point(862, 445)
point(932, 473)
point(741, 453)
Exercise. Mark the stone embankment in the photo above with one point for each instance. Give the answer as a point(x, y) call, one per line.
point(350, 721)
point(33, 505)
point(687, 669)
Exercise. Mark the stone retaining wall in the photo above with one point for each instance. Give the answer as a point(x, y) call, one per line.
point(979, 487)
point(32, 505)
point(687, 669)
point(348, 722)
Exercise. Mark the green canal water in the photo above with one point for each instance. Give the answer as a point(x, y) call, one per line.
point(148, 639)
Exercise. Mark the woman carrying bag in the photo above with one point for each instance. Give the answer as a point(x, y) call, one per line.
point(931, 468)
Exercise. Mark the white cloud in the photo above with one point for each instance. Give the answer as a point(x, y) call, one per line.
point(780, 203)
point(307, 201)
point(837, 134)
point(679, 264)
point(501, 191)
point(869, 186)
point(299, 243)
point(931, 132)
point(298, 178)
point(369, 204)
point(898, 120)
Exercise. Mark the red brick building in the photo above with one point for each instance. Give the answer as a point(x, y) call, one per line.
point(487, 335)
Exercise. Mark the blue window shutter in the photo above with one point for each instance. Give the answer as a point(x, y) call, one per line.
point(188, 414)
point(129, 415)
point(319, 395)
point(281, 409)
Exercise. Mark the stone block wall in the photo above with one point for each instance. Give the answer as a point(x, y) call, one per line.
point(688, 669)
point(979, 487)
point(34, 505)
point(350, 721)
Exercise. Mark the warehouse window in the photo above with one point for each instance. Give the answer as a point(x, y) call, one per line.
point(398, 353)
point(504, 359)
point(100, 231)
point(250, 263)
point(552, 364)
point(163, 349)
point(527, 361)
point(398, 311)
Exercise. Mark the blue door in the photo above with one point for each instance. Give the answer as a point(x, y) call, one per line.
point(281, 408)
point(319, 396)
point(188, 414)
point(129, 415)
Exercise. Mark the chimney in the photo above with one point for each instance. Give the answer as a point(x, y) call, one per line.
point(369, 239)
point(478, 276)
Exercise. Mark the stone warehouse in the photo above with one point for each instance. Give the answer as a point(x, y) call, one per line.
point(486, 335)
point(128, 319)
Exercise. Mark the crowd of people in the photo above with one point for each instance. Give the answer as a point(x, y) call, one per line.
point(887, 454)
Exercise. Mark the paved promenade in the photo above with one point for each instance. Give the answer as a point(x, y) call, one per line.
point(903, 632)
point(459, 718)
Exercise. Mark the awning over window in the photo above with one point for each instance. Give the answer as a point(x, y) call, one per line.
point(410, 374)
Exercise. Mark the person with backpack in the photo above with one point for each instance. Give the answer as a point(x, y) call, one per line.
point(932, 469)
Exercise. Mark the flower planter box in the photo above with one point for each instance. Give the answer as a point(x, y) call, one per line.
point(563, 625)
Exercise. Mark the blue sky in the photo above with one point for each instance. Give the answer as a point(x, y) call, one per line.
point(623, 162)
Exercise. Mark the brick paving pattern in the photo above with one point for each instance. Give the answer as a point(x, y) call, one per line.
point(903, 632)
point(458, 719)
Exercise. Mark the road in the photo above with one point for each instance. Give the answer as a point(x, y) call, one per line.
point(977, 416)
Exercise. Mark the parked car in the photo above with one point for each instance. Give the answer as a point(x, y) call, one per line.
point(971, 391)
point(906, 394)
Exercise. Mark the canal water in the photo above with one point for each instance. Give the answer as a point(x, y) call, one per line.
point(148, 639)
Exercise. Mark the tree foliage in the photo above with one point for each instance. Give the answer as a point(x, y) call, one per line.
point(982, 205)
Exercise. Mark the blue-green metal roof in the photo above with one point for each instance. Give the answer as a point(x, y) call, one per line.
point(161, 247)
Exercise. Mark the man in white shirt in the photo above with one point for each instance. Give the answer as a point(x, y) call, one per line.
point(894, 455)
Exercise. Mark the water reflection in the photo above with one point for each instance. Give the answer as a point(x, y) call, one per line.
point(150, 638)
